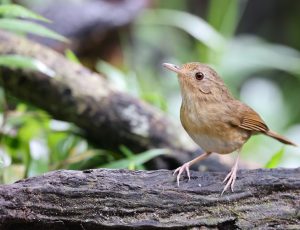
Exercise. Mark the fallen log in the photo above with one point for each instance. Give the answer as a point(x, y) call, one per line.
point(123, 199)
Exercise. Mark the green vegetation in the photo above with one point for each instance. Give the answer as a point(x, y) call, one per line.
point(33, 143)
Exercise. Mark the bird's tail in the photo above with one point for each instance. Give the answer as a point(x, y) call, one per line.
point(279, 138)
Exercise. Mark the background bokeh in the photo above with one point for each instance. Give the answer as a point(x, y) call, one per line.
point(254, 45)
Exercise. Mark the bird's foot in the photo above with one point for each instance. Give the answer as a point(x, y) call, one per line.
point(181, 169)
point(230, 179)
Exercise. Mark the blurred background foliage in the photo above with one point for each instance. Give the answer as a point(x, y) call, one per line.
point(254, 45)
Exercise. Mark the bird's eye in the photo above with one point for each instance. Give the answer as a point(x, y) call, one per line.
point(199, 76)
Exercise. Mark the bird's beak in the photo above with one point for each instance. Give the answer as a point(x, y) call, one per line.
point(172, 67)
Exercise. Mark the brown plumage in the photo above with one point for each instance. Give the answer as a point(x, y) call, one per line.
point(213, 118)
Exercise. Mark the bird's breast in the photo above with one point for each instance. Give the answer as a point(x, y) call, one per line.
point(206, 125)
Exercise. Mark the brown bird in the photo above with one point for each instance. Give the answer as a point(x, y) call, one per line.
point(213, 118)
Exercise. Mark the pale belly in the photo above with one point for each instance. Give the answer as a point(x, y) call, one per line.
point(219, 143)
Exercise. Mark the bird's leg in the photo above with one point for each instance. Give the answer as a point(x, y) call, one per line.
point(230, 178)
point(185, 167)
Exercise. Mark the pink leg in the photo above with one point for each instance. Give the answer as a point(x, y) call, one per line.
point(230, 178)
point(185, 167)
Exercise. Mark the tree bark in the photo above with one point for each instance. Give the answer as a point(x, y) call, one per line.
point(108, 117)
point(123, 199)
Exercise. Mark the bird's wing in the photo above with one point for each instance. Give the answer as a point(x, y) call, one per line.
point(244, 117)
point(248, 119)
point(252, 121)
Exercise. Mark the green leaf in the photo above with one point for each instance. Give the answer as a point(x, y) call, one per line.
point(16, 25)
point(193, 25)
point(65, 146)
point(275, 160)
point(13, 10)
point(258, 55)
point(37, 167)
point(223, 16)
point(137, 159)
point(71, 56)
point(22, 62)
point(128, 153)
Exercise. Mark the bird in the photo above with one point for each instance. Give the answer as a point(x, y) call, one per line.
point(213, 118)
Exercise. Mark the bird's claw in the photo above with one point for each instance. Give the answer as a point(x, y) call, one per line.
point(230, 179)
point(180, 170)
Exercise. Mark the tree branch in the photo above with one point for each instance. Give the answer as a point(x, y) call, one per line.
point(108, 117)
point(122, 199)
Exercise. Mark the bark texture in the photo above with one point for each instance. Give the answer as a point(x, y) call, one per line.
point(122, 199)
point(107, 117)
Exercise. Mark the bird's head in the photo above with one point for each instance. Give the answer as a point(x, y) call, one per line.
point(199, 79)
